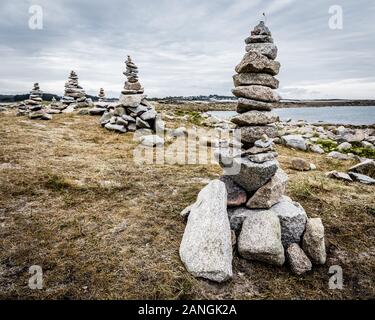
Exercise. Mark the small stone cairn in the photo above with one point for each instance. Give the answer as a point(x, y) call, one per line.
point(32, 107)
point(101, 95)
point(133, 111)
point(247, 206)
point(74, 96)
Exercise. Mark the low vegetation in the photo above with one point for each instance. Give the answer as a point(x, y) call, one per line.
point(73, 201)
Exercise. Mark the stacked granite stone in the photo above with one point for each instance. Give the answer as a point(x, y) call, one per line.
point(33, 106)
point(101, 95)
point(267, 225)
point(74, 96)
point(133, 111)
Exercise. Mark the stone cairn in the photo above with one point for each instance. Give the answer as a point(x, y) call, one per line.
point(133, 111)
point(74, 95)
point(247, 206)
point(32, 107)
point(101, 95)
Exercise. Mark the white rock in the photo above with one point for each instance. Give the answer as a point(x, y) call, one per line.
point(206, 246)
point(260, 238)
point(295, 141)
point(313, 241)
point(151, 141)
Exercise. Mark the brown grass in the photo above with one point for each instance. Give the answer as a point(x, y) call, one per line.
point(73, 202)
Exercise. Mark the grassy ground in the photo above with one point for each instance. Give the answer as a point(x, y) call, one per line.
point(73, 201)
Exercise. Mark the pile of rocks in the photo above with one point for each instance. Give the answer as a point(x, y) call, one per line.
point(363, 172)
point(74, 96)
point(133, 111)
point(250, 198)
point(101, 95)
point(33, 106)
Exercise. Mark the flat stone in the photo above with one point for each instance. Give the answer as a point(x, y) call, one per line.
point(344, 146)
point(148, 115)
point(262, 157)
point(255, 118)
point(294, 141)
point(298, 261)
point(245, 105)
point(292, 219)
point(206, 246)
point(236, 195)
point(313, 241)
point(261, 79)
point(115, 127)
point(97, 111)
point(142, 124)
point(151, 141)
point(260, 239)
point(259, 39)
point(254, 62)
point(339, 155)
point(267, 49)
point(255, 92)
point(132, 100)
point(362, 178)
point(270, 193)
point(366, 167)
point(128, 118)
point(250, 175)
point(256, 150)
point(251, 134)
point(339, 176)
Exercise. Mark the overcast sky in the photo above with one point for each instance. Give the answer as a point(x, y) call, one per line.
point(186, 47)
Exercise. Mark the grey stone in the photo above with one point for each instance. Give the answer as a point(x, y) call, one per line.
point(151, 141)
point(128, 118)
point(339, 155)
point(249, 135)
point(339, 175)
point(245, 105)
point(206, 246)
point(115, 127)
point(262, 157)
point(149, 115)
point(236, 195)
point(344, 146)
point(366, 167)
point(106, 117)
point(316, 149)
point(298, 261)
point(250, 175)
point(142, 124)
point(295, 141)
point(132, 100)
point(267, 49)
point(271, 193)
point(254, 62)
point(260, 239)
point(259, 39)
point(362, 178)
point(292, 219)
point(97, 111)
point(313, 241)
point(256, 92)
point(262, 79)
point(179, 132)
point(255, 118)
point(300, 164)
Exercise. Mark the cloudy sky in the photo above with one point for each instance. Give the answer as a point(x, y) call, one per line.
point(186, 47)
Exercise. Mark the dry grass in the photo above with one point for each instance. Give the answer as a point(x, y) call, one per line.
point(73, 202)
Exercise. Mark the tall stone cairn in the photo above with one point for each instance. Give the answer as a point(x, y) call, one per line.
point(74, 93)
point(132, 112)
point(132, 85)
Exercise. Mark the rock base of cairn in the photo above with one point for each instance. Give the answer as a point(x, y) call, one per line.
point(33, 107)
point(268, 225)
